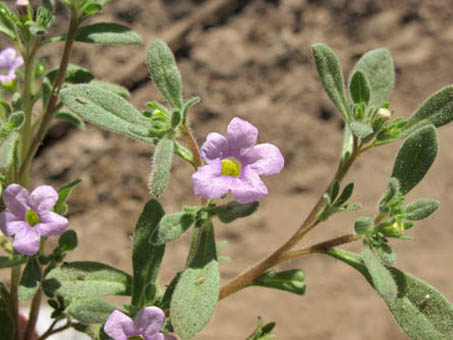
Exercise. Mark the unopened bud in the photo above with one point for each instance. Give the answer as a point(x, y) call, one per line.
point(384, 113)
point(22, 3)
point(22, 7)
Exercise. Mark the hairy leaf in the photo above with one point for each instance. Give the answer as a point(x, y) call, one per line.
point(90, 310)
point(161, 166)
point(108, 33)
point(31, 279)
point(61, 207)
point(421, 209)
point(359, 88)
point(233, 210)
point(172, 226)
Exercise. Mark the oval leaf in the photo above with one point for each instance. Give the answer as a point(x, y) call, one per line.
point(233, 210)
point(30, 280)
point(161, 165)
point(329, 71)
point(421, 209)
point(75, 74)
point(90, 310)
point(86, 279)
point(359, 88)
point(108, 33)
point(415, 157)
point(172, 226)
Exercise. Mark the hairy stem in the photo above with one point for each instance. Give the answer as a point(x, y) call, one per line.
point(308, 224)
point(53, 101)
point(193, 145)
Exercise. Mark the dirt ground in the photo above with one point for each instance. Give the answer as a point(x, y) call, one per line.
point(254, 61)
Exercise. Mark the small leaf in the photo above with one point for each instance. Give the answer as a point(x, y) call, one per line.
point(6, 321)
point(72, 118)
point(361, 130)
point(421, 209)
point(108, 33)
point(67, 241)
point(15, 120)
point(334, 190)
point(115, 88)
point(233, 210)
point(8, 150)
point(86, 279)
point(64, 192)
point(386, 254)
point(30, 281)
point(359, 88)
point(146, 256)
point(162, 66)
point(377, 68)
point(90, 310)
point(197, 291)
point(10, 261)
point(75, 74)
point(7, 22)
point(329, 71)
point(382, 279)
point(415, 157)
point(161, 165)
point(346, 194)
point(363, 225)
point(172, 226)
point(263, 332)
point(292, 281)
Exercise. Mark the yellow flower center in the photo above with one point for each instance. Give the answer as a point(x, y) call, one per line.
point(32, 217)
point(135, 337)
point(231, 167)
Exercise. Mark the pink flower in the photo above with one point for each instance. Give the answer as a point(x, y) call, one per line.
point(8, 64)
point(235, 163)
point(146, 325)
point(28, 216)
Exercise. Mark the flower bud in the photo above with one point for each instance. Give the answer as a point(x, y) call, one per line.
point(23, 7)
point(384, 113)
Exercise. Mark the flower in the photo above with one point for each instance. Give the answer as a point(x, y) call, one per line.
point(146, 325)
point(235, 163)
point(28, 216)
point(8, 64)
point(22, 3)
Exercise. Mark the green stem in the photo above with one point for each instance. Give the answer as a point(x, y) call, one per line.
point(33, 316)
point(53, 101)
point(15, 277)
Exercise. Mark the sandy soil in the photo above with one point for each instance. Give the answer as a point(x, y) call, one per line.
point(255, 62)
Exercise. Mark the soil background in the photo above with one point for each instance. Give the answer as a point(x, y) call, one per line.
point(253, 60)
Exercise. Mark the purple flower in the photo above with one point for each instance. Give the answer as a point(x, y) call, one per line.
point(146, 325)
point(235, 163)
point(28, 216)
point(8, 64)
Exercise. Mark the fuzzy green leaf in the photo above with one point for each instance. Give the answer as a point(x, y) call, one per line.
point(421, 209)
point(30, 281)
point(233, 210)
point(363, 225)
point(90, 310)
point(415, 157)
point(72, 118)
point(292, 281)
point(108, 33)
point(263, 332)
point(67, 241)
point(75, 74)
point(105, 109)
point(161, 166)
point(8, 151)
point(329, 71)
point(382, 279)
point(361, 130)
point(115, 88)
point(9, 261)
point(6, 21)
point(61, 207)
point(146, 256)
point(172, 226)
point(164, 71)
point(86, 279)
point(345, 194)
point(377, 68)
point(197, 291)
point(359, 88)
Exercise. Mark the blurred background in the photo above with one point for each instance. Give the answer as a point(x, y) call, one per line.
point(252, 59)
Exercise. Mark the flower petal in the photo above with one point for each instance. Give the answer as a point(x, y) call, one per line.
point(18, 61)
point(158, 336)
point(216, 146)
point(149, 321)
point(43, 198)
point(208, 183)
point(26, 241)
point(10, 224)
point(117, 324)
point(7, 56)
point(241, 134)
point(248, 187)
point(265, 159)
point(51, 224)
point(15, 197)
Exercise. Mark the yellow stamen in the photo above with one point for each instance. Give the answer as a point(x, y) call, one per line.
point(231, 167)
point(32, 217)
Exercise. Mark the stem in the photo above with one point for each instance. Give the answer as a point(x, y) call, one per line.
point(308, 224)
point(15, 277)
point(51, 331)
point(33, 316)
point(53, 101)
point(192, 143)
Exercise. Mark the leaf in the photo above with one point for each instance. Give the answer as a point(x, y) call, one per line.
point(61, 207)
point(162, 66)
point(415, 157)
point(108, 33)
point(67, 241)
point(436, 110)
point(146, 256)
point(8, 150)
point(263, 332)
point(105, 109)
point(377, 67)
point(72, 118)
point(197, 291)
point(161, 165)
point(6, 22)
point(172, 226)
point(30, 280)
point(361, 130)
point(422, 312)
point(90, 310)
point(329, 71)
point(86, 279)
point(10, 261)
point(75, 74)
point(346, 194)
point(233, 210)
point(292, 281)
point(359, 88)
point(421, 209)
point(115, 88)
point(363, 225)
point(6, 323)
